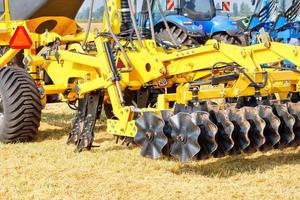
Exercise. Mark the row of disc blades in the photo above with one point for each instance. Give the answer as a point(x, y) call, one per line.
point(215, 132)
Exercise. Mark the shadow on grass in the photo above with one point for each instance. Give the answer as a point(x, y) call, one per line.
point(117, 148)
point(60, 120)
point(61, 126)
point(231, 166)
point(51, 134)
point(101, 140)
point(223, 168)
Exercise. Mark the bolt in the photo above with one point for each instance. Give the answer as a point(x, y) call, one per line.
point(295, 51)
point(268, 44)
point(162, 71)
point(238, 92)
point(243, 53)
point(267, 88)
point(181, 138)
point(149, 135)
point(217, 46)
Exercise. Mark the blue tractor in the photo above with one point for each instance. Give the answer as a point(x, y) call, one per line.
point(287, 25)
point(191, 22)
point(280, 18)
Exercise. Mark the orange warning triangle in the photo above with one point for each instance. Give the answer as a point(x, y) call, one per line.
point(20, 39)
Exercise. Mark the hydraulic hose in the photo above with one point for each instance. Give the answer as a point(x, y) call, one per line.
point(133, 19)
point(166, 23)
point(150, 19)
point(89, 23)
point(115, 37)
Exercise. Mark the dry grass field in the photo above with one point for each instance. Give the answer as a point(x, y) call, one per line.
point(49, 169)
point(93, 26)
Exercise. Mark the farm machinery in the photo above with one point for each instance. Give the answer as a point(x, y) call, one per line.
point(280, 19)
point(187, 102)
point(190, 22)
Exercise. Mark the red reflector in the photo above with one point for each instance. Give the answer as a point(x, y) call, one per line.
point(120, 64)
point(20, 39)
point(226, 6)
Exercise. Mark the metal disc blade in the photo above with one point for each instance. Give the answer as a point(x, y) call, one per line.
point(271, 131)
point(185, 152)
point(294, 109)
point(185, 135)
point(286, 128)
point(140, 138)
point(150, 150)
point(225, 130)
point(166, 115)
point(256, 133)
point(241, 129)
point(209, 130)
point(150, 135)
point(151, 121)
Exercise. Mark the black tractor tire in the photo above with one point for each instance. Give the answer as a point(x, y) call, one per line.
point(20, 106)
point(239, 39)
point(179, 36)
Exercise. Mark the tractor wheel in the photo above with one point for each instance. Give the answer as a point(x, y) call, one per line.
point(179, 35)
point(239, 40)
point(20, 106)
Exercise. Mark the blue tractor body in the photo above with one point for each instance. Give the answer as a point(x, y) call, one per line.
point(283, 26)
point(210, 27)
point(280, 19)
point(197, 19)
point(218, 24)
point(286, 30)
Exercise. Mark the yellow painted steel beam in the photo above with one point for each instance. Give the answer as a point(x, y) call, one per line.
point(92, 85)
point(81, 59)
point(54, 89)
point(288, 52)
point(7, 12)
point(278, 76)
point(273, 52)
point(8, 56)
point(115, 16)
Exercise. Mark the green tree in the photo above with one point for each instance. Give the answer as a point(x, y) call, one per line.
point(83, 15)
point(98, 14)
